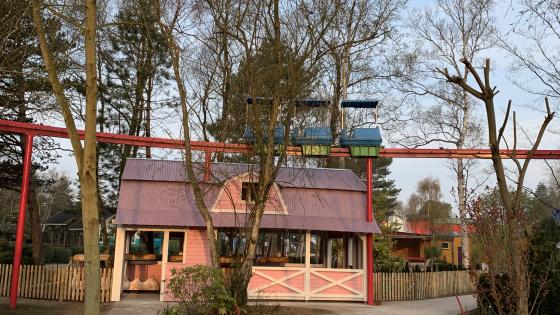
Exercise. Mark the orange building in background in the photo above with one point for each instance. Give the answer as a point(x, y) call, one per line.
point(416, 235)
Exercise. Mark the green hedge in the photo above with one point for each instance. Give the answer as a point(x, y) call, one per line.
point(7, 254)
point(53, 254)
point(57, 255)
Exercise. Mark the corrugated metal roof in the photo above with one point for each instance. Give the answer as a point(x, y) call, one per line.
point(146, 201)
point(174, 171)
point(269, 221)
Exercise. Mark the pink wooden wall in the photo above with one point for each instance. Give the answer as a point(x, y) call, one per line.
point(168, 297)
point(197, 252)
point(143, 272)
point(229, 198)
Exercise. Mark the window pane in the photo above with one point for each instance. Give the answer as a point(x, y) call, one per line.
point(145, 245)
point(230, 243)
point(295, 248)
point(176, 241)
point(277, 248)
point(337, 253)
point(317, 245)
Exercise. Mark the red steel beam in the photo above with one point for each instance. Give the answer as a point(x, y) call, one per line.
point(369, 236)
point(8, 126)
point(21, 219)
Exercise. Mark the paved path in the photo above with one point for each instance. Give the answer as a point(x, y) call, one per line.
point(141, 304)
point(441, 306)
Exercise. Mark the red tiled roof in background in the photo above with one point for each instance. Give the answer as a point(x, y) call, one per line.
point(423, 227)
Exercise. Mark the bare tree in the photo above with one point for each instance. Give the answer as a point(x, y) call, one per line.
point(516, 233)
point(274, 43)
point(533, 43)
point(354, 60)
point(85, 154)
point(454, 29)
point(170, 16)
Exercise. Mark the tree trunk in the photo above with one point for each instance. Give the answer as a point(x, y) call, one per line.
point(174, 52)
point(148, 127)
point(88, 180)
point(462, 198)
point(35, 222)
point(85, 156)
point(240, 282)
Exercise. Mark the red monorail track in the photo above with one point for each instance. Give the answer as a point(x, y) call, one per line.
point(7, 126)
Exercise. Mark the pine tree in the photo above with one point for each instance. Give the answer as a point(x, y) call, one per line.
point(385, 193)
point(24, 96)
point(133, 64)
point(254, 76)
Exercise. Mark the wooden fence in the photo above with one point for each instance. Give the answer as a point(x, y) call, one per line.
point(421, 285)
point(66, 283)
point(53, 282)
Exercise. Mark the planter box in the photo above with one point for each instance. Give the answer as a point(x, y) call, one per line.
point(140, 257)
point(363, 151)
point(313, 149)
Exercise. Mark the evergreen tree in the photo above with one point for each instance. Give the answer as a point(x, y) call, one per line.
point(24, 97)
point(385, 192)
point(255, 78)
point(544, 266)
point(133, 65)
point(541, 203)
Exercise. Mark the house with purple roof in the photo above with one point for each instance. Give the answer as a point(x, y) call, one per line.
point(311, 244)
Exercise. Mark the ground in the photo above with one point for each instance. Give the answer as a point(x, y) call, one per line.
point(149, 304)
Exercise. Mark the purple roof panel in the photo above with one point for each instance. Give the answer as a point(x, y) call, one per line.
point(154, 194)
point(173, 171)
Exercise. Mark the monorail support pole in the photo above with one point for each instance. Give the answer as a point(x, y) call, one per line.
point(21, 219)
point(369, 237)
point(207, 165)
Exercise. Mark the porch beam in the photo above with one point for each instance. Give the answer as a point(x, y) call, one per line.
point(307, 276)
point(118, 265)
point(164, 259)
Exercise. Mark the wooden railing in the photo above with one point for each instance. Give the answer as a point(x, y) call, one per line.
point(421, 285)
point(53, 282)
point(349, 284)
point(300, 283)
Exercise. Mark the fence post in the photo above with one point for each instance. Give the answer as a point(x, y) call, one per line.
point(62, 285)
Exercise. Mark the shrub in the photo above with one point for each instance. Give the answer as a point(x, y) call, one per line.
point(383, 257)
point(56, 255)
point(76, 250)
point(199, 290)
point(442, 265)
point(432, 252)
point(503, 302)
point(544, 262)
point(7, 254)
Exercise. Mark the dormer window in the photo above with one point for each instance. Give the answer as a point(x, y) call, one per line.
point(248, 192)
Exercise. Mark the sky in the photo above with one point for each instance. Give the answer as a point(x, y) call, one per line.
point(407, 172)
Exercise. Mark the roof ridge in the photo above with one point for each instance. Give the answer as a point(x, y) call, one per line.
point(245, 164)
